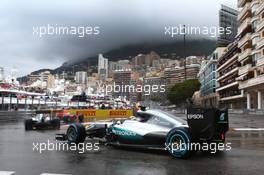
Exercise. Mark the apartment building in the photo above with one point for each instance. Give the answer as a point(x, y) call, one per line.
point(43, 76)
point(154, 81)
point(2, 75)
point(227, 18)
point(139, 60)
point(207, 77)
point(228, 70)
point(102, 67)
point(177, 74)
point(251, 58)
point(81, 77)
point(122, 78)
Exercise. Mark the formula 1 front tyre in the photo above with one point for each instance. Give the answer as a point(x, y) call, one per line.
point(28, 124)
point(177, 143)
point(76, 133)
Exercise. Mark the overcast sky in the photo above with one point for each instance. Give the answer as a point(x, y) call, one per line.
point(121, 22)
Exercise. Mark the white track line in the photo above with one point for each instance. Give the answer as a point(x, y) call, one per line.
point(248, 129)
point(7, 172)
point(53, 174)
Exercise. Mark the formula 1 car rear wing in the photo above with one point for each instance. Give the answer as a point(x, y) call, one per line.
point(207, 123)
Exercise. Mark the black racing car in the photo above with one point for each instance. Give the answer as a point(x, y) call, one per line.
point(43, 119)
point(156, 129)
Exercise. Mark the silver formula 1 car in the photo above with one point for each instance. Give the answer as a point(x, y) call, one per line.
point(155, 129)
point(43, 120)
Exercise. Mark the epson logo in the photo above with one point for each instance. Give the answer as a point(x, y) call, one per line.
point(195, 116)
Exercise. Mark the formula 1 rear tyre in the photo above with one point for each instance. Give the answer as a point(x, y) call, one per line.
point(177, 143)
point(28, 124)
point(56, 123)
point(76, 133)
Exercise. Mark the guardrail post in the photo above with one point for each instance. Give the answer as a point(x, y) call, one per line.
point(32, 102)
point(17, 102)
point(3, 101)
point(25, 103)
point(10, 102)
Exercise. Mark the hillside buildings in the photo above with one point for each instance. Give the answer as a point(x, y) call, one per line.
point(138, 60)
point(43, 79)
point(157, 81)
point(118, 65)
point(146, 60)
point(151, 57)
point(176, 74)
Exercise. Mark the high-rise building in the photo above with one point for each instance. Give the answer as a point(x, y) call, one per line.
point(176, 75)
point(42, 76)
point(124, 64)
point(251, 58)
point(193, 60)
point(152, 56)
point(230, 95)
point(118, 65)
point(122, 80)
point(102, 67)
point(136, 81)
point(44, 79)
point(2, 74)
point(227, 19)
point(81, 77)
point(139, 60)
point(147, 60)
point(113, 66)
point(158, 95)
point(207, 77)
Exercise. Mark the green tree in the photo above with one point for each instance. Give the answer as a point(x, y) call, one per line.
point(180, 92)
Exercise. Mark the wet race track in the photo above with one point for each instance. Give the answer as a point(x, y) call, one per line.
point(17, 155)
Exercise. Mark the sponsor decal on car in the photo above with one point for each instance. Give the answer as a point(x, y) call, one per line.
point(123, 132)
point(222, 117)
point(195, 116)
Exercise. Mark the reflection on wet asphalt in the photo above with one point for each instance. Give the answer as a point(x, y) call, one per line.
point(16, 154)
